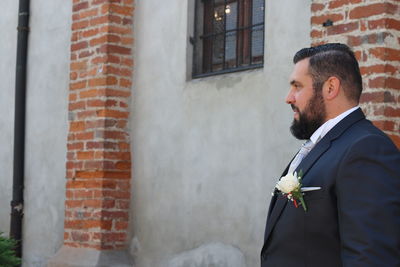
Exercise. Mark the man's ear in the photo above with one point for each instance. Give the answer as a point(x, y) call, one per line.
point(331, 88)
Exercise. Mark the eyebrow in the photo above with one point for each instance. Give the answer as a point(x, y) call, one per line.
point(293, 82)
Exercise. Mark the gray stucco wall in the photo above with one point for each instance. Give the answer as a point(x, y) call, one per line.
point(8, 22)
point(46, 128)
point(207, 152)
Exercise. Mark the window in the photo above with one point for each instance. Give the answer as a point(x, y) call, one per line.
point(229, 36)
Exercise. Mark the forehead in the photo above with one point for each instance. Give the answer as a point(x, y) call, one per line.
point(300, 70)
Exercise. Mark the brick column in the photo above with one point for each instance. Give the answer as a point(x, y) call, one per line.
point(98, 159)
point(372, 29)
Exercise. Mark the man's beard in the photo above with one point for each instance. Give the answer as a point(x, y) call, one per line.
point(310, 119)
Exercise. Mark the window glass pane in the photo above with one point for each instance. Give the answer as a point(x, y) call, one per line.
point(230, 37)
point(257, 42)
point(258, 11)
point(230, 47)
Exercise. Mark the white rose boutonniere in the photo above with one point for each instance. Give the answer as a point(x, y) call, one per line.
point(290, 186)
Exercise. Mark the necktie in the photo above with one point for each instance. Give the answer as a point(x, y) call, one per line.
point(304, 150)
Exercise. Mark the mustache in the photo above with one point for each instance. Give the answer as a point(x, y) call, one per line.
point(294, 108)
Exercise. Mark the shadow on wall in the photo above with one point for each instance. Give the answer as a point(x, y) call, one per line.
point(209, 255)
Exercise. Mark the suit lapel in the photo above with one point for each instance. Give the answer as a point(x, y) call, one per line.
point(279, 203)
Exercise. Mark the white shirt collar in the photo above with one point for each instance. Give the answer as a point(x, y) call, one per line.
point(328, 125)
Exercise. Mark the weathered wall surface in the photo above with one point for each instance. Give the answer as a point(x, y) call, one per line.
point(46, 128)
point(207, 152)
point(8, 22)
point(47, 111)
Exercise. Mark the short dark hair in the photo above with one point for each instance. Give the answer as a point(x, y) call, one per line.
point(333, 59)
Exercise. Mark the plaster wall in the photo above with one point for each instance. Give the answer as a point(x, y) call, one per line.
point(8, 43)
point(46, 127)
point(47, 123)
point(207, 152)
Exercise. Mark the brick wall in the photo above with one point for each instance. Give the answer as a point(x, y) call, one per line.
point(372, 29)
point(99, 158)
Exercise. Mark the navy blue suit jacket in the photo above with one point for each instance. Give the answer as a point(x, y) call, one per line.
point(354, 220)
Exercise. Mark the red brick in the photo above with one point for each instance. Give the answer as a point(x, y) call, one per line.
point(84, 136)
point(122, 204)
point(377, 97)
point(114, 237)
point(340, 3)
point(115, 49)
point(90, 32)
point(116, 135)
point(112, 215)
point(115, 93)
point(88, 13)
point(317, 7)
point(123, 165)
point(78, 65)
point(79, 46)
point(77, 126)
point(371, 10)
point(83, 155)
point(99, 165)
point(392, 112)
point(127, 62)
point(124, 146)
point(122, 124)
point(86, 53)
point(125, 83)
point(381, 68)
point(386, 54)
point(99, 21)
point(316, 34)
point(354, 40)
point(85, 193)
point(79, 236)
point(103, 174)
point(76, 106)
point(127, 41)
point(342, 28)
point(321, 19)
point(393, 83)
point(112, 113)
point(80, 25)
point(77, 85)
point(80, 6)
point(115, 19)
point(121, 226)
point(124, 186)
point(86, 114)
point(121, 10)
point(386, 23)
point(73, 203)
point(117, 195)
point(109, 80)
point(89, 93)
point(384, 125)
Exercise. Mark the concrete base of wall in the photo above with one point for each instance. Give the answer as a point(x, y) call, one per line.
point(84, 257)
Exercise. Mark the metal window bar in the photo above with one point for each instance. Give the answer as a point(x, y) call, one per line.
point(251, 30)
point(223, 56)
point(237, 33)
point(213, 37)
point(237, 29)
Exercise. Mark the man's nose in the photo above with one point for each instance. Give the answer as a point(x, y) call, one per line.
point(290, 97)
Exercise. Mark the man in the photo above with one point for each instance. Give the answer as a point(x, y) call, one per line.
point(352, 170)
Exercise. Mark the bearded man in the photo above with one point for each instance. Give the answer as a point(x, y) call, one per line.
point(345, 208)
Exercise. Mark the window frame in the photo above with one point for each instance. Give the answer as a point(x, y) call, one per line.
point(202, 64)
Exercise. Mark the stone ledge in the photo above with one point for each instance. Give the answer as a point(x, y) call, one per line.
point(84, 257)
